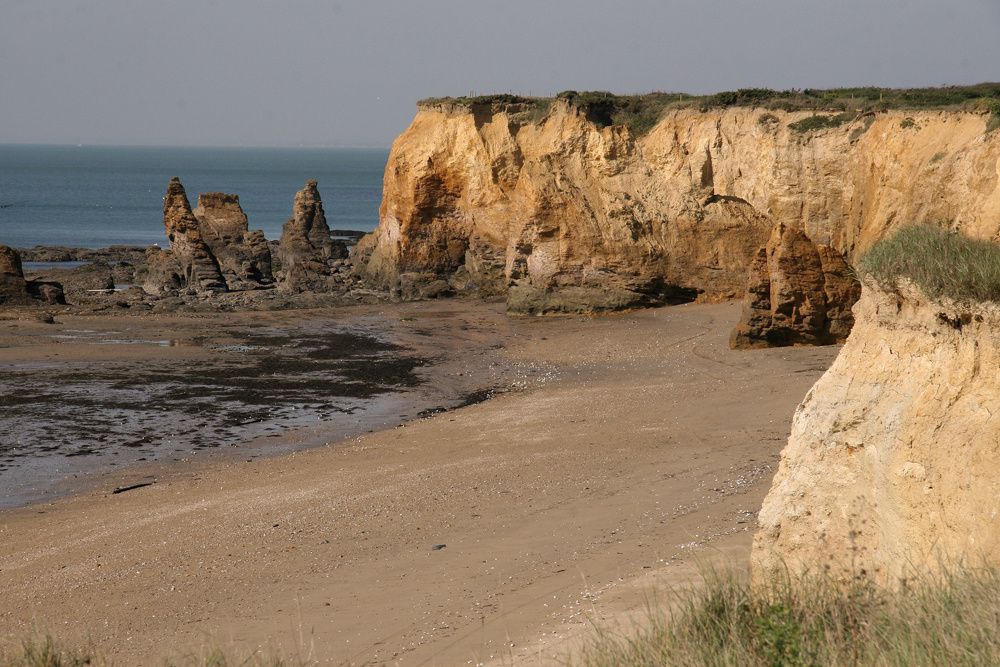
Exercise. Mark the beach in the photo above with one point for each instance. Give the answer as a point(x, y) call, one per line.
point(637, 446)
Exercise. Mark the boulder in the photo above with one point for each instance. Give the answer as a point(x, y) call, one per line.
point(798, 293)
point(16, 291)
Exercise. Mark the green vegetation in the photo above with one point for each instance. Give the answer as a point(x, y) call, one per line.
point(940, 262)
point(641, 112)
point(767, 120)
point(993, 106)
point(950, 619)
point(907, 123)
point(813, 123)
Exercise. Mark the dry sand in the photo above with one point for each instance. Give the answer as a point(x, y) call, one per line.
point(648, 445)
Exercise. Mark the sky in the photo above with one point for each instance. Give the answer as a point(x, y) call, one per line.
point(349, 72)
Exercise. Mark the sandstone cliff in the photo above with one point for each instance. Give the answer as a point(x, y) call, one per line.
point(797, 293)
point(891, 464)
point(560, 213)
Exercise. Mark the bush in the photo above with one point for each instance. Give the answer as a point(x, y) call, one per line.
point(940, 262)
point(813, 123)
point(950, 619)
point(907, 123)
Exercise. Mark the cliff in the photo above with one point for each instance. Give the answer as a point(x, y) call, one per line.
point(558, 210)
point(892, 460)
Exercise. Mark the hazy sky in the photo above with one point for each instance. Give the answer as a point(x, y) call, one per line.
point(348, 72)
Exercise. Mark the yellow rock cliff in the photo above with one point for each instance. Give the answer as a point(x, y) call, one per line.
point(558, 213)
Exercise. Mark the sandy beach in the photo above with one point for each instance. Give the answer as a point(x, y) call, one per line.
point(637, 446)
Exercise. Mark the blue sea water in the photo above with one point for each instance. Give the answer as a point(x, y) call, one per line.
point(96, 196)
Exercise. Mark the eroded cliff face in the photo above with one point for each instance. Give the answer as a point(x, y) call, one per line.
point(891, 465)
point(560, 214)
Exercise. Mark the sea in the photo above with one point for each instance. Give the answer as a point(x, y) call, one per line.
point(97, 196)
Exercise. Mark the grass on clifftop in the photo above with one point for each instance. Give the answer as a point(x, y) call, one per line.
point(641, 112)
point(940, 262)
point(952, 619)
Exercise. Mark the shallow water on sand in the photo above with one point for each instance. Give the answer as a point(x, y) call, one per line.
point(101, 398)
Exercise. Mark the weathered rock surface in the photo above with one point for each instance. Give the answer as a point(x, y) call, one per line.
point(16, 291)
point(243, 256)
point(308, 255)
point(561, 214)
point(798, 293)
point(892, 462)
point(211, 250)
point(188, 264)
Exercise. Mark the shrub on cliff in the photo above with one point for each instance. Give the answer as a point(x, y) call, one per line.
point(821, 122)
point(940, 262)
point(950, 619)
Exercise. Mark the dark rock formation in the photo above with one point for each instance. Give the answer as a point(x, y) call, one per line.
point(16, 291)
point(307, 254)
point(211, 248)
point(80, 282)
point(188, 264)
point(243, 256)
point(798, 293)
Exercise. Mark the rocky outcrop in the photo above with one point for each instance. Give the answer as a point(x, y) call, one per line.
point(559, 213)
point(188, 264)
point(211, 248)
point(16, 291)
point(798, 293)
point(307, 254)
point(891, 467)
point(243, 256)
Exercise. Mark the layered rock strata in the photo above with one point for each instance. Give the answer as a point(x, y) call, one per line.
point(559, 213)
point(15, 290)
point(798, 293)
point(211, 249)
point(891, 465)
point(308, 255)
point(188, 264)
point(243, 256)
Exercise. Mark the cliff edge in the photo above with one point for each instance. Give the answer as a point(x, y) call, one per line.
point(557, 209)
point(891, 466)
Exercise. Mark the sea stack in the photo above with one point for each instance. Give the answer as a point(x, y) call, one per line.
point(306, 250)
point(188, 264)
point(242, 255)
point(798, 293)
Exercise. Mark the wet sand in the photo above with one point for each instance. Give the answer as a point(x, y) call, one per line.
point(638, 444)
point(91, 393)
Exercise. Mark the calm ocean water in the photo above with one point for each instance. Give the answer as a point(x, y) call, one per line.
point(95, 196)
